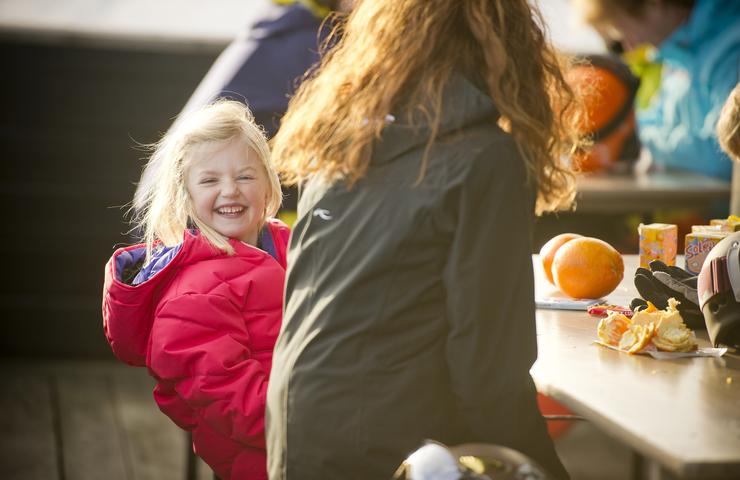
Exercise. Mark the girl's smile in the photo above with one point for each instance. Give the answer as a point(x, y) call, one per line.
point(230, 211)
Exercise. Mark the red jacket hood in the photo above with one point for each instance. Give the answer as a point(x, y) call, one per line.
point(128, 310)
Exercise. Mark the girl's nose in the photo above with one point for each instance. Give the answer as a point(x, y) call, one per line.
point(230, 189)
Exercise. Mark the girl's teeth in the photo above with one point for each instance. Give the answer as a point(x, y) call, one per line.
point(230, 210)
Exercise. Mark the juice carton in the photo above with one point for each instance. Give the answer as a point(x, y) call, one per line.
point(698, 245)
point(658, 241)
point(729, 224)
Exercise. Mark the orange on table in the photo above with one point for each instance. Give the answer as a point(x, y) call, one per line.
point(547, 252)
point(587, 267)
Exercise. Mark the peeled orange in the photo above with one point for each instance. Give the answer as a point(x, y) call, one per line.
point(587, 268)
point(547, 252)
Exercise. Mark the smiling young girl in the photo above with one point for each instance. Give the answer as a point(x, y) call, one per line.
point(199, 302)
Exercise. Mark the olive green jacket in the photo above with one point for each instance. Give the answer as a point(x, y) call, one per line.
point(409, 309)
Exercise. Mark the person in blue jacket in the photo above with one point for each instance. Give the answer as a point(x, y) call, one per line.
point(263, 66)
point(697, 44)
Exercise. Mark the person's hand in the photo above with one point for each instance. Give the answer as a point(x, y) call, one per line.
point(662, 282)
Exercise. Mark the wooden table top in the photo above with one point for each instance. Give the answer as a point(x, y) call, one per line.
point(683, 413)
point(623, 193)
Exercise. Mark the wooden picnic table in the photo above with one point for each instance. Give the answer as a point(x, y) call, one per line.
point(681, 416)
point(644, 193)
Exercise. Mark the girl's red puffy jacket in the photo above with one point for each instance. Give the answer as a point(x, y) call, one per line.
point(205, 326)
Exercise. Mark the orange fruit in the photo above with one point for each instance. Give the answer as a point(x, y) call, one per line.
point(547, 252)
point(587, 268)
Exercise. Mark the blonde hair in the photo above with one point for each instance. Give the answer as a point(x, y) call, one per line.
point(408, 49)
point(166, 210)
point(728, 126)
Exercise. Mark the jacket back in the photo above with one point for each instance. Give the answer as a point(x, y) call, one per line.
point(409, 308)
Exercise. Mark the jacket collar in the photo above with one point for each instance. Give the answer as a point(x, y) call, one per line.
point(463, 105)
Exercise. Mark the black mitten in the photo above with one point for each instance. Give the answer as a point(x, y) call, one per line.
point(662, 282)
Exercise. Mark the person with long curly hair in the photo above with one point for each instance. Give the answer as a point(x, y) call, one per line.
point(424, 144)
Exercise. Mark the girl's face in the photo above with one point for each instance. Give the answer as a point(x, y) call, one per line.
point(228, 186)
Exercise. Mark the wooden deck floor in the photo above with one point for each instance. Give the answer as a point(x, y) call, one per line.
point(78, 420)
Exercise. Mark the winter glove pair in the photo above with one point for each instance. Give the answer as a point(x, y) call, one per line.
point(662, 282)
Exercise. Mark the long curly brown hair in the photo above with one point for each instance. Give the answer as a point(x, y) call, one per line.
point(389, 50)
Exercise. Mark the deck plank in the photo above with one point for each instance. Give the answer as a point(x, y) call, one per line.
point(157, 445)
point(94, 445)
point(27, 442)
point(100, 413)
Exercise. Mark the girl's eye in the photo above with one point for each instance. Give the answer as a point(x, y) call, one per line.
point(245, 177)
point(206, 181)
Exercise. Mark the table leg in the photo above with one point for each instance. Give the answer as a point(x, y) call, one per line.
point(638, 466)
point(191, 467)
point(647, 469)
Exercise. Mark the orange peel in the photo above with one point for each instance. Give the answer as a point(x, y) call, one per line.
point(611, 328)
point(665, 329)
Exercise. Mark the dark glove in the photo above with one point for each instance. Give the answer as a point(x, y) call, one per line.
point(662, 282)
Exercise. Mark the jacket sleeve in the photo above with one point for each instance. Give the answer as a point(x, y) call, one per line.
point(200, 349)
point(491, 343)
